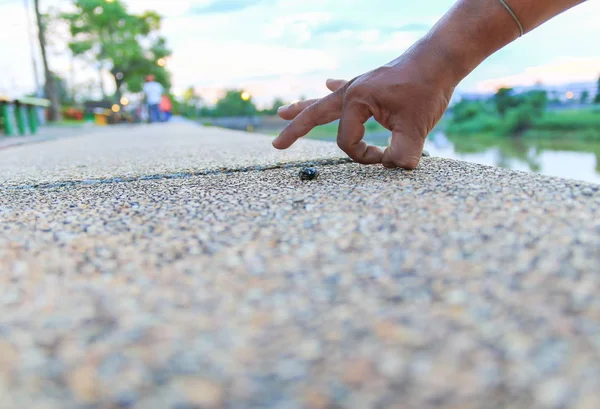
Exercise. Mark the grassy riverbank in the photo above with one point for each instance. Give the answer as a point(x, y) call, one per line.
point(580, 125)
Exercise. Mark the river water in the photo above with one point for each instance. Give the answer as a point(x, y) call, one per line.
point(578, 160)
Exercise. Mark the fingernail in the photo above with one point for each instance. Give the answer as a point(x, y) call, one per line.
point(282, 108)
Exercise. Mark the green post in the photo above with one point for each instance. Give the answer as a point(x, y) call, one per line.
point(33, 119)
point(21, 119)
point(5, 111)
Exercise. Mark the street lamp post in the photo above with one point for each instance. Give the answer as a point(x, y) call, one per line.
point(32, 49)
point(246, 97)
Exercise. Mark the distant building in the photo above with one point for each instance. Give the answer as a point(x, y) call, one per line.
point(469, 96)
point(563, 92)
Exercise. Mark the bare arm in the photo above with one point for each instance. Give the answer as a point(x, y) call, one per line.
point(409, 95)
point(472, 30)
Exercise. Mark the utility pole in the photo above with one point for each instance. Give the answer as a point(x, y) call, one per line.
point(50, 87)
point(32, 49)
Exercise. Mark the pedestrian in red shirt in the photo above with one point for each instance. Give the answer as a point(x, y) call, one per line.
point(166, 107)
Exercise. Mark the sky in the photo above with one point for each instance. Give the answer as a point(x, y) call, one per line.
point(288, 48)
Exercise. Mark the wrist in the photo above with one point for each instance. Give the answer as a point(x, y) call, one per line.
point(469, 33)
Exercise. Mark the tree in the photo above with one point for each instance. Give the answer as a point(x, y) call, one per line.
point(597, 98)
point(128, 45)
point(466, 110)
point(278, 102)
point(232, 104)
point(63, 93)
point(537, 100)
point(504, 100)
point(191, 102)
point(50, 85)
point(585, 95)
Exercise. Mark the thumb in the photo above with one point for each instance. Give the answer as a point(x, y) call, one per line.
point(335, 84)
point(404, 151)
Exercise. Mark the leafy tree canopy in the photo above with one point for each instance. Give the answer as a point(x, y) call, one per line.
point(129, 45)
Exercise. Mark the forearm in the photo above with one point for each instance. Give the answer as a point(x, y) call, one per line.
point(475, 29)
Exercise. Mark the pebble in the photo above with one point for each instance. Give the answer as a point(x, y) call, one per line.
point(8, 356)
point(587, 191)
point(308, 173)
point(201, 392)
point(309, 349)
point(316, 400)
point(83, 382)
point(391, 364)
point(552, 393)
point(457, 297)
point(358, 371)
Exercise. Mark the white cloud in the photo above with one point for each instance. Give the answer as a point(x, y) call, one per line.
point(396, 42)
point(297, 28)
point(214, 62)
point(166, 8)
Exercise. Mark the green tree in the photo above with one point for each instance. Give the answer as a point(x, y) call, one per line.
point(525, 108)
point(50, 85)
point(232, 104)
point(585, 96)
point(191, 102)
point(537, 100)
point(597, 98)
point(278, 102)
point(466, 110)
point(504, 100)
point(518, 120)
point(65, 96)
point(128, 45)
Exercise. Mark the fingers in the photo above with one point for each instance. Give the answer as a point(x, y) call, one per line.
point(289, 112)
point(404, 151)
point(333, 84)
point(322, 112)
point(351, 132)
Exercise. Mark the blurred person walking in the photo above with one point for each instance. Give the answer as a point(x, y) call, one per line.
point(153, 92)
point(166, 108)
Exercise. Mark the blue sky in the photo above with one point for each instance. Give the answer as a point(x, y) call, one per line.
point(288, 48)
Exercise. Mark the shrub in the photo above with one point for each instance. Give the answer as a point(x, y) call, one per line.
point(467, 110)
point(569, 121)
point(479, 124)
point(518, 120)
point(72, 113)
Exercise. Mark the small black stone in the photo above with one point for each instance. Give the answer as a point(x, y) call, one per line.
point(425, 154)
point(309, 173)
point(126, 400)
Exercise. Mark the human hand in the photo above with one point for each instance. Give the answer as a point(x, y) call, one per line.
point(407, 96)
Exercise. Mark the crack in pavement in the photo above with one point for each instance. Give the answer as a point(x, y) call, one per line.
point(177, 175)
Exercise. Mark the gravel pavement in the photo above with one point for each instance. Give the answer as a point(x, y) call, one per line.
point(161, 149)
point(451, 286)
point(49, 133)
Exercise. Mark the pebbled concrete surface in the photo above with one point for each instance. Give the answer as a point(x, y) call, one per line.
point(135, 150)
point(452, 286)
point(48, 133)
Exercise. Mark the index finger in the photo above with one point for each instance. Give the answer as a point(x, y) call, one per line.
point(351, 132)
point(322, 112)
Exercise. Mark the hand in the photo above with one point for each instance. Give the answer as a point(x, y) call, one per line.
point(407, 96)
